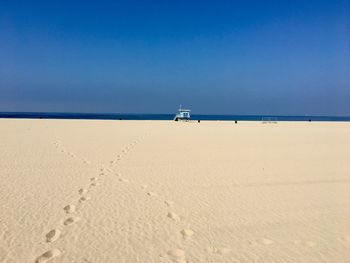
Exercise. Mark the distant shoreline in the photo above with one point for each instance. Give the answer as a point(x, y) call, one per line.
point(202, 117)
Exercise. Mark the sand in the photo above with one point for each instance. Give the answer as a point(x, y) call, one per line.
point(161, 191)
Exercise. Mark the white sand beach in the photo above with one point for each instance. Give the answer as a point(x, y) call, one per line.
point(161, 191)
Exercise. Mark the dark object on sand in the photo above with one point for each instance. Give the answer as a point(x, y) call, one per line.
point(199, 121)
point(309, 120)
point(236, 122)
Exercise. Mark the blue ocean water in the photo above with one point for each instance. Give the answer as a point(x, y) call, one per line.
point(120, 116)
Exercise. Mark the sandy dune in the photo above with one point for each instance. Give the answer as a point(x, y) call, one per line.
point(160, 191)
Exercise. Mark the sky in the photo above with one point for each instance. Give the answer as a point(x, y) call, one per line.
point(214, 57)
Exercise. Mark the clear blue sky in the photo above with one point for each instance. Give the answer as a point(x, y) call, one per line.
point(215, 57)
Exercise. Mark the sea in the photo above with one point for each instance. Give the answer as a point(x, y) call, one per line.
point(196, 117)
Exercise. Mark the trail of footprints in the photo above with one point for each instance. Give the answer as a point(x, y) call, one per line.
point(70, 154)
point(71, 209)
point(176, 254)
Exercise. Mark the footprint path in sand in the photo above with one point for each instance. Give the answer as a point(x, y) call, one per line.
point(186, 233)
point(176, 254)
point(70, 154)
point(54, 234)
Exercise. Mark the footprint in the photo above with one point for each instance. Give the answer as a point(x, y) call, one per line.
point(123, 180)
point(93, 179)
point(48, 255)
point(53, 235)
point(174, 216)
point(187, 232)
point(152, 194)
point(94, 184)
point(84, 198)
point(266, 241)
point(69, 209)
point(71, 220)
point(83, 191)
point(169, 203)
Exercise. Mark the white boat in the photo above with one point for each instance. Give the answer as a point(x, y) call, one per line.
point(183, 114)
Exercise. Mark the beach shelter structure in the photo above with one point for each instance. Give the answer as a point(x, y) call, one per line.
point(183, 114)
